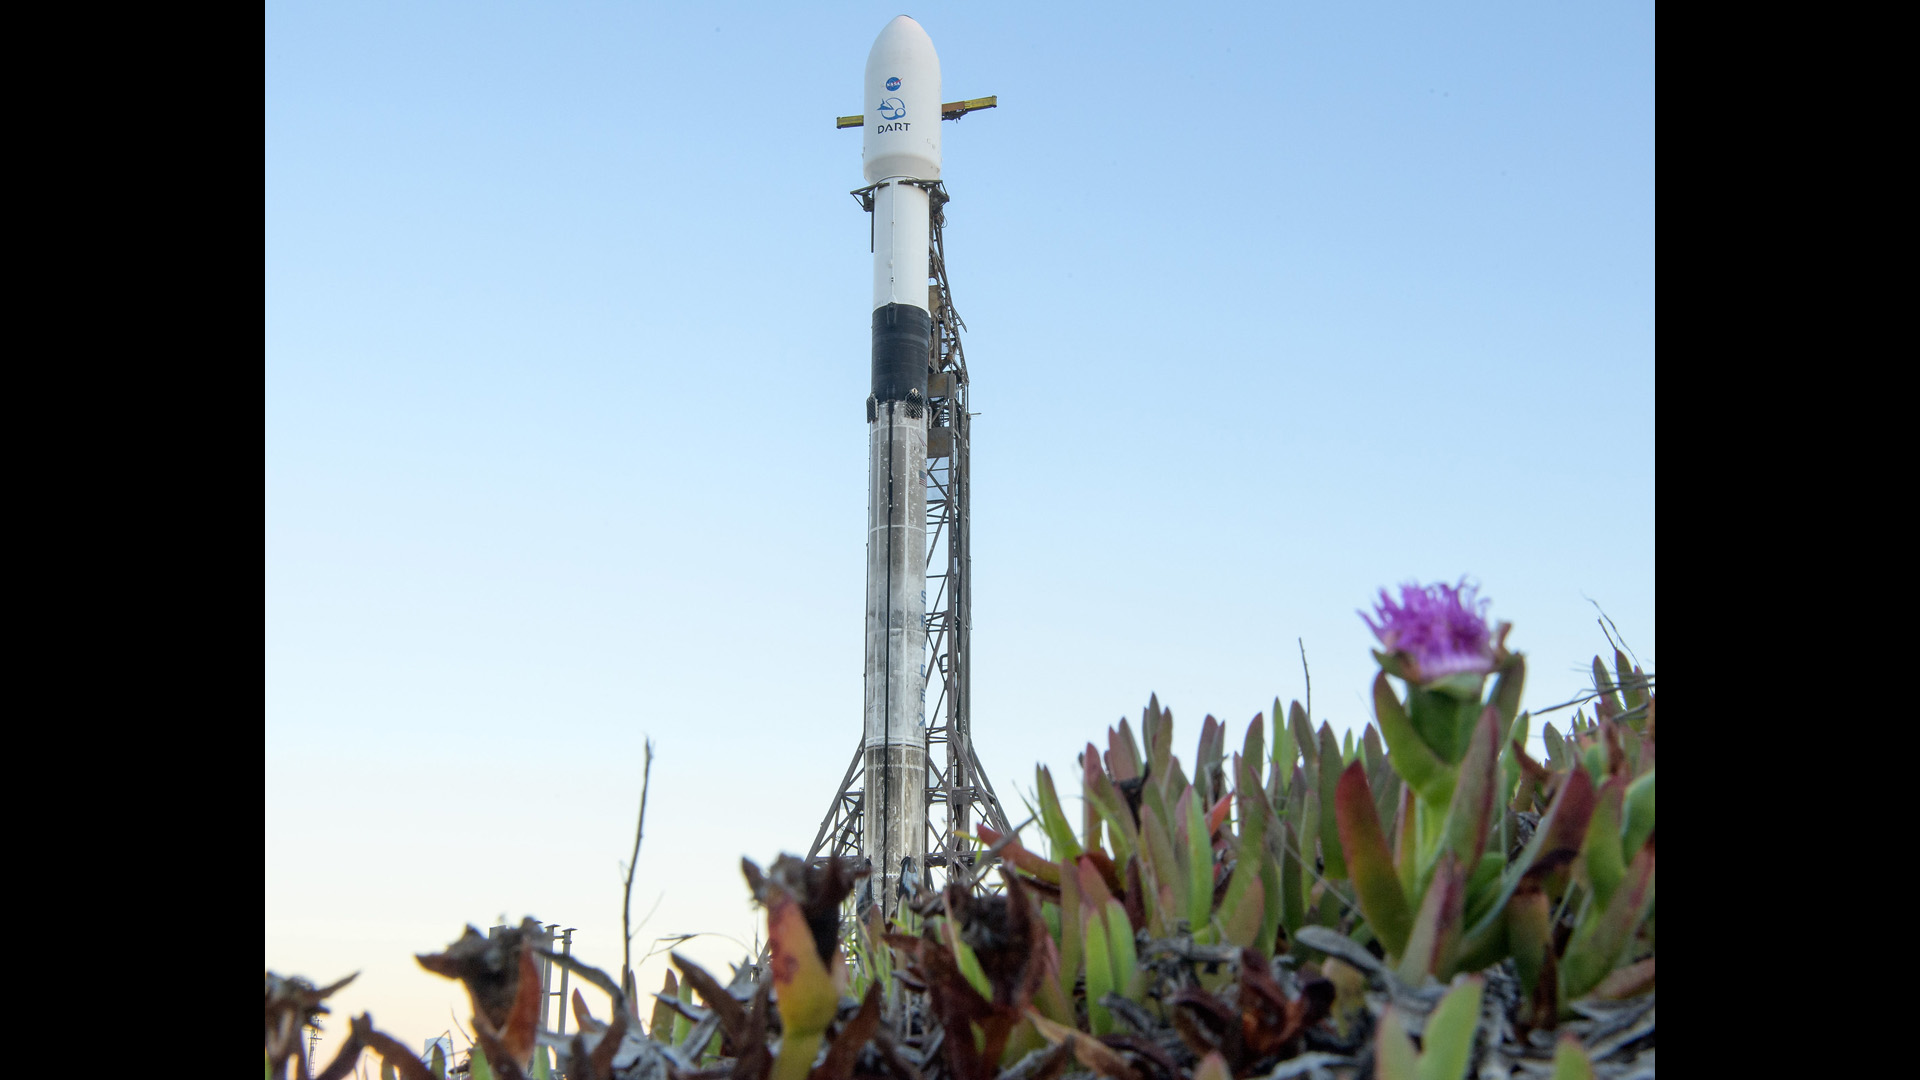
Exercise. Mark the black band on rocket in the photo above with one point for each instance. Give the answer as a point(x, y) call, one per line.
point(902, 342)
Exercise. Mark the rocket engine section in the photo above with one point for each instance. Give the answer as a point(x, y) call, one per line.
point(900, 144)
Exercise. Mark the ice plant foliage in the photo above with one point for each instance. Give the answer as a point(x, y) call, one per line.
point(1440, 629)
point(1297, 906)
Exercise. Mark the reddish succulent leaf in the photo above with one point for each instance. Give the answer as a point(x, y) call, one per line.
point(1254, 748)
point(1217, 816)
point(1470, 816)
point(525, 1017)
point(505, 1067)
point(583, 1018)
point(1437, 926)
point(1102, 865)
point(1626, 982)
point(733, 1016)
point(1529, 934)
point(958, 1006)
point(1135, 901)
point(1207, 756)
point(1375, 880)
point(1094, 887)
point(1089, 1051)
point(1270, 1022)
point(393, 1052)
point(1122, 756)
point(1531, 771)
point(1017, 854)
point(1111, 806)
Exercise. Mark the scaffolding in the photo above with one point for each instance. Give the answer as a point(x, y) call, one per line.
point(959, 795)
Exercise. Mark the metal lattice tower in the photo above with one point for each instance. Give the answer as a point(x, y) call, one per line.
point(959, 795)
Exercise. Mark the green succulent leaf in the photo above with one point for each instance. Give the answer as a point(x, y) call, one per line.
point(1600, 852)
point(1199, 860)
point(1120, 948)
point(1639, 823)
point(1272, 892)
point(1053, 821)
point(1285, 750)
point(1449, 1033)
point(1556, 747)
point(1412, 758)
point(1394, 1055)
point(1293, 882)
point(1601, 938)
point(1570, 1060)
point(1100, 974)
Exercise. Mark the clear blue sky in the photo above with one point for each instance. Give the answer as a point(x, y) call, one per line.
point(566, 348)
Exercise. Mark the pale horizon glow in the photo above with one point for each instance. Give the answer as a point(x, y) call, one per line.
point(1268, 307)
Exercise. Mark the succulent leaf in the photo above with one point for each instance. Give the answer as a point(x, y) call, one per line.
point(1053, 820)
point(1412, 758)
point(1333, 863)
point(1639, 823)
point(1437, 925)
point(1394, 1055)
point(1470, 816)
point(1570, 1060)
point(1375, 882)
point(1448, 1038)
point(1600, 938)
point(1600, 852)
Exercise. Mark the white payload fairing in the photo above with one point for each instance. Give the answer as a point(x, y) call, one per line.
point(900, 149)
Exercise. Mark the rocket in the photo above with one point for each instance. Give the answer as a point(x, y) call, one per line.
point(900, 152)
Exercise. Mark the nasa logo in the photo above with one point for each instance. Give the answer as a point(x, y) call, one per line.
point(891, 108)
point(893, 83)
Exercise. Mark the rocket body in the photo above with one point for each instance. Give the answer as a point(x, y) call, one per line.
point(900, 143)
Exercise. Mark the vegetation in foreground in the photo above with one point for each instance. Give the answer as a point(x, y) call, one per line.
point(1425, 902)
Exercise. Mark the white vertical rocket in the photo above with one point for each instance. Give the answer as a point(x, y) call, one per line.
point(900, 148)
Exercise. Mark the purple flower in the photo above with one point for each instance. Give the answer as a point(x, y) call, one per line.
point(1441, 628)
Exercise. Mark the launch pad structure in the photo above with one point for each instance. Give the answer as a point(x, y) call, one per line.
point(958, 794)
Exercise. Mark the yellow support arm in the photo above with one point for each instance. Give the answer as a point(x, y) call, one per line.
point(952, 110)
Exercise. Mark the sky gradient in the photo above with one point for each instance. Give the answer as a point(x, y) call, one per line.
point(566, 349)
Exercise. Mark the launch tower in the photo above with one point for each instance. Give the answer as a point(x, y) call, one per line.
point(914, 791)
